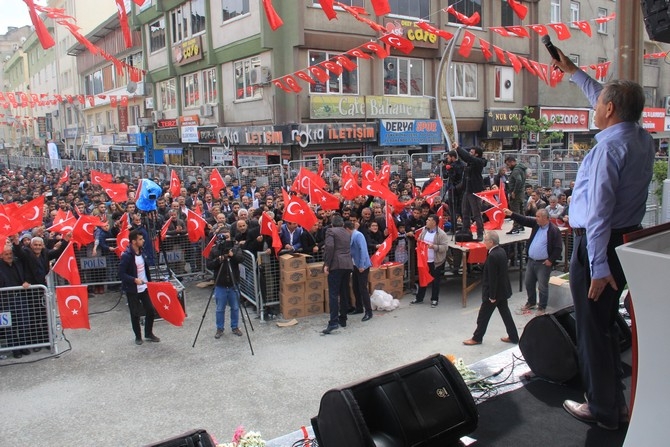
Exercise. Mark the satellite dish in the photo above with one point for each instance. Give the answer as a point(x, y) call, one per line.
point(131, 87)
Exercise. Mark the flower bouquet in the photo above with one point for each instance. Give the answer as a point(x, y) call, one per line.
point(242, 438)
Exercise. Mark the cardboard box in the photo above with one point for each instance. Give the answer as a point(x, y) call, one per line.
point(396, 293)
point(293, 276)
point(315, 270)
point(396, 283)
point(314, 297)
point(377, 274)
point(289, 312)
point(292, 262)
point(395, 271)
point(289, 288)
point(314, 308)
point(292, 300)
point(315, 284)
point(379, 285)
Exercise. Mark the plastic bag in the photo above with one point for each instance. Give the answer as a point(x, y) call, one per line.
point(381, 300)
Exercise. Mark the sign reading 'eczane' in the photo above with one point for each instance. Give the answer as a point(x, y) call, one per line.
point(409, 132)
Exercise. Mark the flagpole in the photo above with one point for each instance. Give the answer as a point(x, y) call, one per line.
point(446, 60)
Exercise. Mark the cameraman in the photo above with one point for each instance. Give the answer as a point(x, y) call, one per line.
point(474, 183)
point(225, 259)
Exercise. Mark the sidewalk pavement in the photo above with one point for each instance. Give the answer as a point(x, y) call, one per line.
point(107, 391)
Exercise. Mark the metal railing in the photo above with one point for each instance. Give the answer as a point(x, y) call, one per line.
point(27, 318)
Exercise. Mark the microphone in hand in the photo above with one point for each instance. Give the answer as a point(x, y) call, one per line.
point(546, 40)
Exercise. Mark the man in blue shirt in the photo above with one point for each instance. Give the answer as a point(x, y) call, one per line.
point(608, 200)
point(360, 272)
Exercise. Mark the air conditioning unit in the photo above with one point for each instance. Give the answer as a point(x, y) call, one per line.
point(156, 116)
point(259, 75)
point(100, 128)
point(206, 110)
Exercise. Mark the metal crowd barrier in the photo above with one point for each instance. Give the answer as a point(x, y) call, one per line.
point(27, 318)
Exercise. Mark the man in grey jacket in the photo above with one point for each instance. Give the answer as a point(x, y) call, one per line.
point(337, 264)
point(438, 243)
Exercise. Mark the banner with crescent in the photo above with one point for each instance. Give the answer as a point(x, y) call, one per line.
point(164, 298)
point(73, 307)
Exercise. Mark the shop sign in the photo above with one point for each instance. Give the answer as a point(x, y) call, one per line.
point(653, 119)
point(409, 132)
point(107, 139)
point(306, 134)
point(189, 134)
point(667, 123)
point(120, 138)
point(162, 124)
point(73, 132)
point(368, 107)
point(566, 120)
point(502, 123)
point(409, 30)
point(221, 155)
point(173, 151)
point(188, 51)
point(252, 136)
point(167, 136)
point(96, 140)
point(189, 120)
point(42, 126)
point(207, 135)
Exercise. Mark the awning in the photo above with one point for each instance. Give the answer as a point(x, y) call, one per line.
point(660, 135)
point(117, 147)
point(173, 151)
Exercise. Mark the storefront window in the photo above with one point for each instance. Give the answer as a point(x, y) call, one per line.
point(403, 76)
point(345, 83)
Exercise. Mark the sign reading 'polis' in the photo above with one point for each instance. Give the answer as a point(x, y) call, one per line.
point(368, 107)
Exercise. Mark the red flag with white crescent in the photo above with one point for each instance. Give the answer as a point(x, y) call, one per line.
point(398, 42)
point(66, 266)
point(472, 20)
point(122, 241)
point(466, 44)
point(97, 177)
point(325, 200)
point(63, 226)
point(61, 215)
point(500, 30)
point(65, 176)
point(328, 9)
point(349, 189)
point(519, 9)
point(319, 170)
point(381, 7)
point(208, 247)
point(379, 50)
point(446, 35)
point(440, 214)
point(195, 225)
point(273, 18)
point(84, 229)
point(161, 236)
point(390, 224)
point(378, 257)
point(385, 173)
point(117, 192)
point(562, 31)
point(269, 228)
point(332, 67)
point(496, 218)
point(299, 212)
point(175, 184)
point(541, 30)
point(425, 277)
point(27, 216)
point(164, 298)
point(435, 186)
point(216, 182)
point(585, 26)
point(73, 307)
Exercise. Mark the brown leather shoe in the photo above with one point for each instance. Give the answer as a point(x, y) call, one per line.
point(583, 413)
point(471, 342)
point(508, 340)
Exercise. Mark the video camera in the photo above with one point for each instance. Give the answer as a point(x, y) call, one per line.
point(224, 242)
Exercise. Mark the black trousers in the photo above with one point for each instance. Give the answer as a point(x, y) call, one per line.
point(597, 334)
point(359, 282)
point(436, 272)
point(484, 316)
point(471, 207)
point(138, 302)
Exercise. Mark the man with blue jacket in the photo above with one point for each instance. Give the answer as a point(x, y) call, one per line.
point(360, 272)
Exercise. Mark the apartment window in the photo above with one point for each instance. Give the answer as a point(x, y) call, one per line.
point(345, 83)
point(574, 13)
point(68, 116)
point(555, 11)
point(507, 15)
point(403, 76)
point(133, 115)
point(167, 95)
point(187, 20)
point(209, 85)
point(464, 81)
point(411, 8)
point(602, 27)
point(190, 89)
point(467, 7)
point(109, 117)
point(107, 78)
point(244, 89)
point(574, 58)
point(504, 84)
point(360, 3)
point(602, 60)
point(234, 8)
point(157, 35)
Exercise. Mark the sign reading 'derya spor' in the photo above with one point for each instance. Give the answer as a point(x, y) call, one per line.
point(409, 132)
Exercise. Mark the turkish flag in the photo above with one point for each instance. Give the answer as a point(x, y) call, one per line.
point(500, 30)
point(381, 7)
point(519, 9)
point(368, 173)
point(379, 50)
point(430, 199)
point(84, 228)
point(97, 177)
point(539, 71)
point(502, 197)
point(435, 186)
point(526, 64)
point(562, 31)
point(585, 26)
point(64, 226)
point(440, 214)
point(385, 173)
point(425, 277)
point(269, 228)
point(65, 176)
point(299, 212)
point(175, 184)
point(350, 188)
point(390, 224)
point(398, 42)
point(346, 62)
point(273, 18)
point(122, 241)
point(473, 20)
point(600, 20)
point(328, 9)
point(208, 247)
point(378, 257)
point(27, 216)
point(73, 306)
point(514, 60)
point(332, 67)
point(519, 31)
point(319, 73)
point(306, 177)
point(117, 192)
point(357, 52)
point(466, 44)
point(66, 266)
point(500, 54)
point(46, 40)
point(539, 29)
point(325, 200)
point(496, 218)
point(280, 84)
point(485, 47)
point(320, 169)
point(195, 225)
point(61, 215)
point(305, 77)
point(164, 298)
point(216, 182)
point(161, 236)
point(292, 83)
point(431, 29)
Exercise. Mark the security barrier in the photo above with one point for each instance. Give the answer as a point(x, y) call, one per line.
point(27, 318)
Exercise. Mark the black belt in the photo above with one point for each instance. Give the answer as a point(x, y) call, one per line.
point(538, 260)
point(582, 231)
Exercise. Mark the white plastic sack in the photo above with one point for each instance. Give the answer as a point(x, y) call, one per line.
point(381, 300)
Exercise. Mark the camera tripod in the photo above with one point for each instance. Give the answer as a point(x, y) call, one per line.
point(236, 285)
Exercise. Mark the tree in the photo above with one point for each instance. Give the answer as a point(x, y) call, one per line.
point(528, 124)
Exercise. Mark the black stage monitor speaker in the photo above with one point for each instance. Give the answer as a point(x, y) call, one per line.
point(423, 404)
point(657, 19)
point(549, 344)
point(193, 438)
